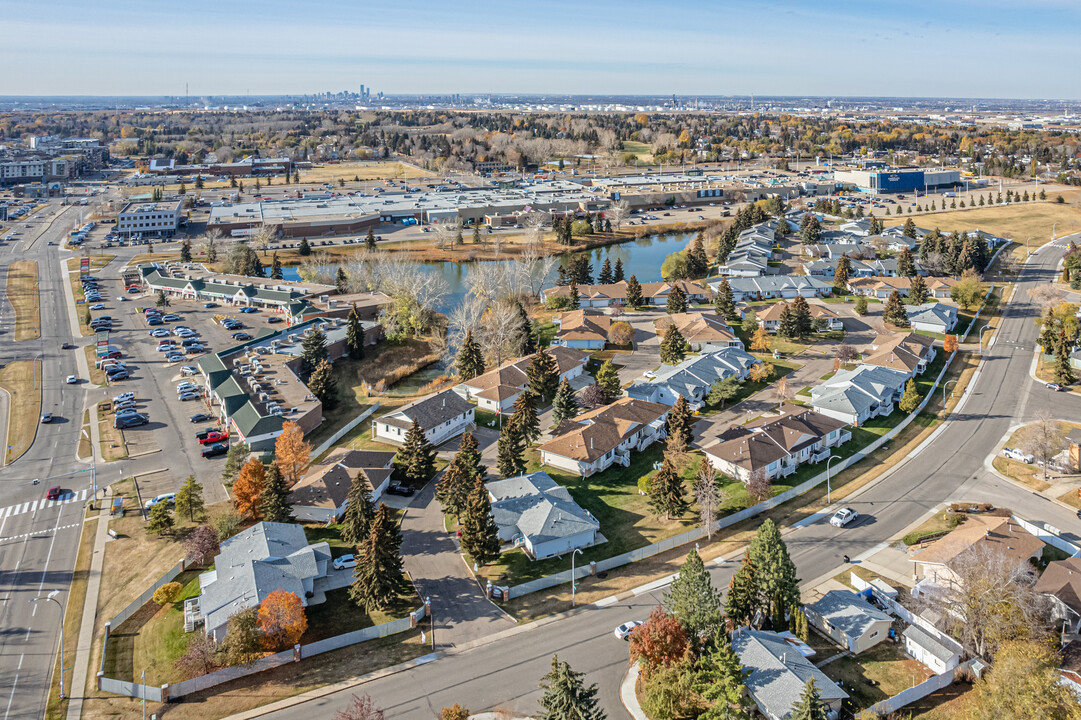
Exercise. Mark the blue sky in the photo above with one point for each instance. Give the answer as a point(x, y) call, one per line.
point(957, 48)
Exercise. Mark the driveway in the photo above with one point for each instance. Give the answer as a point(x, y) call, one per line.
point(487, 439)
point(433, 561)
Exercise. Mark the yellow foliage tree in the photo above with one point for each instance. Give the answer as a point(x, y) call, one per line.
point(292, 452)
point(249, 485)
point(762, 372)
point(760, 340)
point(282, 619)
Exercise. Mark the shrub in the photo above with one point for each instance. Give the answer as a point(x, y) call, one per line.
point(167, 593)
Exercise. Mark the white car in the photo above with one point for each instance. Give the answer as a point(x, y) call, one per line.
point(72, 380)
point(651, 375)
point(1018, 455)
point(164, 497)
point(189, 370)
point(344, 562)
point(188, 395)
point(121, 298)
point(624, 631)
point(97, 306)
point(843, 516)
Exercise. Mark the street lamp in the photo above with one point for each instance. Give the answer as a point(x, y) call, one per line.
point(1053, 226)
point(52, 596)
point(577, 551)
point(944, 386)
point(986, 326)
point(829, 490)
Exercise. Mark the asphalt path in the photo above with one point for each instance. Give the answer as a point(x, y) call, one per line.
point(503, 671)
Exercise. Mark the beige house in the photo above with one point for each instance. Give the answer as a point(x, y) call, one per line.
point(911, 353)
point(849, 620)
point(933, 563)
point(704, 331)
point(598, 439)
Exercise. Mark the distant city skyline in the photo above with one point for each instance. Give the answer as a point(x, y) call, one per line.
point(915, 48)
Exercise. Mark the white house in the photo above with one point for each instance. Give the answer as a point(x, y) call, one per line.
point(693, 377)
point(932, 317)
point(778, 673)
point(849, 620)
point(855, 396)
point(775, 286)
point(938, 653)
point(497, 389)
point(598, 439)
point(541, 515)
point(321, 495)
point(442, 416)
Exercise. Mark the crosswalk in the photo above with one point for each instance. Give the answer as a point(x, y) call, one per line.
point(39, 533)
point(35, 505)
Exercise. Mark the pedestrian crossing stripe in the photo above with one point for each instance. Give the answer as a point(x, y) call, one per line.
point(35, 505)
point(39, 533)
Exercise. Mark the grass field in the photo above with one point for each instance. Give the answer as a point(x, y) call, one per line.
point(1018, 221)
point(97, 377)
point(113, 446)
point(641, 149)
point(22, 290)
point(97, 262)
point(22, 381)
point(85, 449)
point(320, 174)
point(886, 664)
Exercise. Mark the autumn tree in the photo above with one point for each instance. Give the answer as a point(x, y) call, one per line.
point(968, 292)
point(659, 642)
point(292, 452)
point(480, 535)
point(167, 593)
point(454, 712)
point(200, 545)
point(200, 656)
point(911, 399)
point(621, 333)
point(760, 340)
point(378, 573)
point(949, 344)
point(281, 619)
point(248, 487)
point(1024, 682)
point(761, 372)
point(243, 643)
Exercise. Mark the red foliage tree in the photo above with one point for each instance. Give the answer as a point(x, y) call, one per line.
point(661, 641)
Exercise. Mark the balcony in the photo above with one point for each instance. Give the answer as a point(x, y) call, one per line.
point(622, 458)
point(819, 456)
point(845, 436)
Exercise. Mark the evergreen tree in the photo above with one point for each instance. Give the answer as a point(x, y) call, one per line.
point(185, 251)
point(341, 281)
point(679, 426)
point(276, 267)
point(842, 273)
point(189, 499)
point(369, 240)
point(323, 385)
point(1064, 373)
point(894, 312)
point(810, 229)
point(697, 262)
point(693, 600)
point(666, 492)
point(673, 346)
point(801, 317)
point(452, 489)
point(742, 599)
point(719, 680)
point(356, 522)
point(608, 380)
point(470, 360)
point(617, 274)
point(723, 303)
point(354, 335)
point(605, 276)
point(416, 459)
point(876, 226)
point(159, 519)
point(572, 294)
point(905, 266)
point(274, 500)
point(566, 696)
point(542, 376)
point(524, 419)
point(510, 453)
point(304, 250)
point(909, 229)
point(917, 293)
point(778, 585)
point(677, 300)
point(525, 343)
point(476, 234)
point(480, 536)
point(312, 352)
point(634, 293)
point(786, 326)
point(911, 399)
point(565, 405)
point(378, 575)
point(810, 705)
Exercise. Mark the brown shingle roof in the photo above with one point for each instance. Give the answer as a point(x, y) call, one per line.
point(696, 327)
point(763, 441)
point(1062, 578)
point(773, 312)
point(900, 352)
point(583, 324)
point(592, 434)
point(1002, 533)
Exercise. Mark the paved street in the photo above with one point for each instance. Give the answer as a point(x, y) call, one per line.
point(504, 673)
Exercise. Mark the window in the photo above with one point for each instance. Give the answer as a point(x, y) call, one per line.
point(873, 635)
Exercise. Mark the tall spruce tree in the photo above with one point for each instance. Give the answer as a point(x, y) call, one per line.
point(542, 376)
point(312, 352)
point(894, 312)
point(679, 426)
point(909, 229)
point(480, 535)
point(617, 273)
point(666, 492)
point(723, 303)
point(274, 500)
point(697, 262)
point(566, 696)
point(677, 301)
point(356, 522)
point(786, 325)
point(452, 489)
point(917, 293)
point(416, 459)
point(778, 585)
point(354, 335)
point(842, 273)
point(524, 419)
point(810, 705)
point(634, 293)
point(341, 281)
point(369, 239)
point(470, 360)
point(572, 296)
point(524, 341)
point(673, 346)
point(323, 385)
point(693, 600)
point(605, 276)
point(801, 316)
point(378, 574)
point(742, 599)
point(719, 680)
point(510, 453)
point(906, 267)
point(276, 267)
point(565, 404)
point(608, 379)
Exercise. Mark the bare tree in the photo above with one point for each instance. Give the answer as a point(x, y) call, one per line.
point(534, 223)
point(708, 496)
point(1043, 439)
point(617, 213)
point(318, 268)
point(845, 353)
point(1045, 295)
point(262, 236)
point(759, 486)
point(209, 244)
point(360, 708)
point(445, 231)
point(501, 332)
point(537, 266)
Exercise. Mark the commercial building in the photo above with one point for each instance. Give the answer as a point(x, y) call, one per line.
point(160, 219)
point(880, 181)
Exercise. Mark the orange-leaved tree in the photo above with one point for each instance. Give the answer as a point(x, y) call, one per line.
point(282, 619)
point(292, 452)
point(249, 485)
point(949, 343)
point(660, 641)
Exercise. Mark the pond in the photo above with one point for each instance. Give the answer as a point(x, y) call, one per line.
point(641, 258)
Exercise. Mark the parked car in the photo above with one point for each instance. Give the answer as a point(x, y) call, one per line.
point(248, 310)
point(189, 370)
point(67, 346)
point(215, 450)
point(170, 317)
point(208, 306)
point(196, 349)
point(188, 395)
point(127, 421)
point(241, 336)
point(167, 498)
point(97, 306)
point(398, 488)
point(843, 517)
point(1018, 455)
point(127, 412)
point(153, 321)
point(124, 396)
point(274, 320)
point(114, 355)
point(624, 631)
point(200, 417)
point(186, 385)
point(214, 436)
point(118, 375)
point(1055, 386)
point(344, 562)
point(174, 357)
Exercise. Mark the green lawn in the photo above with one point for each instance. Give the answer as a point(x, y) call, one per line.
point(339, 614)
point(886, 664)
point(750, 387)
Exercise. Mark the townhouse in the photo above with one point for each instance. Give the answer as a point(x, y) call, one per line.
point(692, 378)
point(540, 515)
point(775, 286)
point(584, 329)
point(770, 318)
point(600, 438)
point(497, 389)
point(910, 354)
point(441, 416)
point(704, 331)
point(881, 287)
point(653, 293)
point(932, 317)
point(855, 396)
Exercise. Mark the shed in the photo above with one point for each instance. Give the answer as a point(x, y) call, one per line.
point(936, 653)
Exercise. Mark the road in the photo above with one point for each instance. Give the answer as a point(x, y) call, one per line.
point(504, 672)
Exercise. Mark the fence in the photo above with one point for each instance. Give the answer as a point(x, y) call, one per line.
point(907, 615)
point(341, 433)
point(143, 599)
point(131, 689)
point(1049, 534)
point(916, 692)
point(700, 532)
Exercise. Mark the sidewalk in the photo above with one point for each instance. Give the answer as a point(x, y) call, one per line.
point(81, 668)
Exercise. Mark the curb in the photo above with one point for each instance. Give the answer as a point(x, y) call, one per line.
point(628, 696)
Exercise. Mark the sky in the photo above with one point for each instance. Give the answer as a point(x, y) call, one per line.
point(897, 48)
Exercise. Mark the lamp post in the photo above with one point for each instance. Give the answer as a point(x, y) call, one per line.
point(944, 386)
point(829, 490)
point(577, 551)
point(986, 326)
point(1027, 250)
point(52, 596)
point(1053, 226)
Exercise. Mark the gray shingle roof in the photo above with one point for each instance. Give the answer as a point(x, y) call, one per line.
point(693, 377)
point(857, 390)
point(848, 612)
point(929, 643)
point(430, 411)
point(779, 672)
point(538, 508)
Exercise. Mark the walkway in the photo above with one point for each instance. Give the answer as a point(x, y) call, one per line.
point(432, 559)
point(81, 667)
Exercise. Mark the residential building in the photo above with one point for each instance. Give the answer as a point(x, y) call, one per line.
point(160, 219)
point(770, 317)
point(934, 565)
point(441, 416)
point(254, 563)
point(882, 287)
point(704, 331)
point(1070, 667)
point(584, 329)
point(751, 254)
point(497, 389)
point(932, 317)
point(693, 377)
point(775, 445)
point(1061, 583)
point(855, 396)
point(536, 512)
point(936, 651)
point(600, 438)
point(653, 293)
point(778, 673)
point(827, 267)
point(320, 496)
point(775, 286)
point(909, 353)
point(849, 620)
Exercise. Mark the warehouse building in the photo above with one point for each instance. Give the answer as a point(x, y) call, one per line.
point(879, 181)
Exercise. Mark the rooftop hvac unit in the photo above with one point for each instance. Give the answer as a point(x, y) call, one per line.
point(293, 337)
point(263, 397)
point(276, 411)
